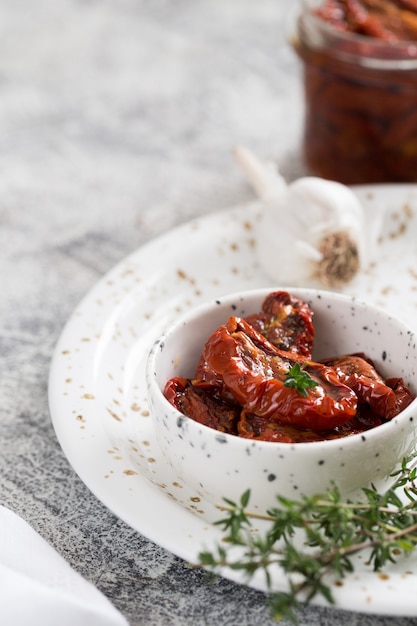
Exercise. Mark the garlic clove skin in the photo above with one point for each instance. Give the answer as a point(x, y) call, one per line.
point(312, 218)
point(311, 232)
point(326, 207)
point(282, 253)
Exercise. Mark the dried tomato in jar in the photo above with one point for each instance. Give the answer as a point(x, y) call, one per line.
point(359, 62)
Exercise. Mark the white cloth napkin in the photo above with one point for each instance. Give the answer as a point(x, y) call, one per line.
point(37, 586)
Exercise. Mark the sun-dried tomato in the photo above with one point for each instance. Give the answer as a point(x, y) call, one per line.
point(287, 322)
point(360, 375)
point(360, 82)
point(241, 381)
point(196, 401)
point(254, 371)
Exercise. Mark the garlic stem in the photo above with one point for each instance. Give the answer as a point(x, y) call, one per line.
point(265, 179)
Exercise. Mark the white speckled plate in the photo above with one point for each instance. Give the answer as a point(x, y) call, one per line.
point(97, 387)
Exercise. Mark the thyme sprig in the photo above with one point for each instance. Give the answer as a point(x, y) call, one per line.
point(297, 378)
point(330, 531)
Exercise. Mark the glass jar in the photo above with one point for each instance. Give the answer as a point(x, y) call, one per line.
point(361, 103)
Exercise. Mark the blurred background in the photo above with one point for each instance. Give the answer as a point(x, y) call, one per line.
point(118, 120)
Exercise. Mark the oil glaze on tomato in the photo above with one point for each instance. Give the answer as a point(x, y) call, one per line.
point(240, 386)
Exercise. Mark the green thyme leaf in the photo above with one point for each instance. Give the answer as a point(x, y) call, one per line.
point(299, 379)
point(330, 531)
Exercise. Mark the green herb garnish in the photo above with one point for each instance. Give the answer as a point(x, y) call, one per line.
point(329, 532)
point(299, 379)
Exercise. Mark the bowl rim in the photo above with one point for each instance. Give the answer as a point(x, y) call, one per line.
point(338, 442)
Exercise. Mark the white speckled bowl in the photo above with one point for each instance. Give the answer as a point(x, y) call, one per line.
point(219, 465)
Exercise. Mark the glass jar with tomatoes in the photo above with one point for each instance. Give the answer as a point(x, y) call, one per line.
point(359, 61)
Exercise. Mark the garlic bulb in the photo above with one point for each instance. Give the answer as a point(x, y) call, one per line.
point(311, 231)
